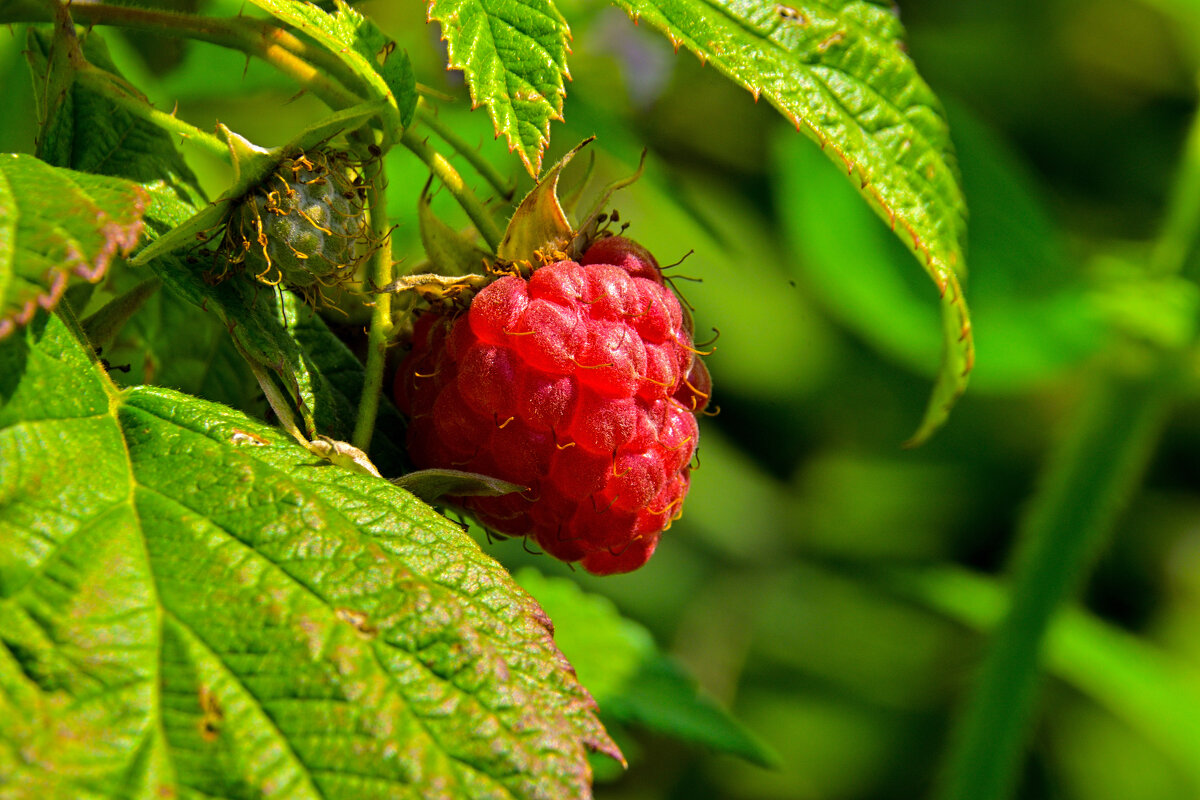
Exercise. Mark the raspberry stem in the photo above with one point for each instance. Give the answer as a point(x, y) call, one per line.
point(381, 313)
point(265, 40)
point(102, 83)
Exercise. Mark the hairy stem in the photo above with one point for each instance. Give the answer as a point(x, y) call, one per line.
point(101, 83)
point(452, 180)
point(381, 313)
point(503, 186)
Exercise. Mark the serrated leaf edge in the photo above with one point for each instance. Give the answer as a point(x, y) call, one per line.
point(952, 381)
point(119, 240)
point(532, 165)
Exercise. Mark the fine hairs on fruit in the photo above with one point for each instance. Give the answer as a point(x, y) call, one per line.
point(581, 383)
point(304, 227)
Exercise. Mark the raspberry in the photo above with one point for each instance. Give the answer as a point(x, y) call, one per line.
point(580, 383)
point(304, 225)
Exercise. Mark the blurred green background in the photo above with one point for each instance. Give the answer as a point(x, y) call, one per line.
point(824, 584)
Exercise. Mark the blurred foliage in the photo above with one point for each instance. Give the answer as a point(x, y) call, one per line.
point(1069, 117)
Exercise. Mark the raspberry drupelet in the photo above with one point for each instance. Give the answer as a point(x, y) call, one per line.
point(581, 383)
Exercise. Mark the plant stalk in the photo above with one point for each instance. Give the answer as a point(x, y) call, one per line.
point(1097, 469)
point(381, 313)
point(101, 83)
point(502, 186)
point(1090, 478)
point(269, 42)
point(453, 181)
point(1182, 224)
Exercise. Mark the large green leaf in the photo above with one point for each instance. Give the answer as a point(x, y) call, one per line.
point(199, 608)
point(838, 71)
point(617, 660)
point(513, 54)
point(58, 226)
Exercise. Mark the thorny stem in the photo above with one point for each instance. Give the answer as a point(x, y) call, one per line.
point(381, 313)
point(99, 82)
point(504, 187)
point(452, 180)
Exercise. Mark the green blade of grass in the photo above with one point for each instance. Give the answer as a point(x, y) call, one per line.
point(1089, 479)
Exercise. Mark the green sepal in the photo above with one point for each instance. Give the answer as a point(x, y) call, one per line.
point(450, 252)
point(433, 484)
point(539, 227)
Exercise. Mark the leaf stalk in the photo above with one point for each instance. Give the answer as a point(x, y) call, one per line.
point(102, 83)
point(505, 187)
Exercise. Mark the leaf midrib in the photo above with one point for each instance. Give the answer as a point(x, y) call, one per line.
point(373, 647)
point(328, 606)
point(156, 704)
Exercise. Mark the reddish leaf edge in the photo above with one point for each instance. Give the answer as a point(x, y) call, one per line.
point(120, 239)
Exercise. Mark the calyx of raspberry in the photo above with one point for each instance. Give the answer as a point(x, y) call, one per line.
point(304, 226)
point(580, 382)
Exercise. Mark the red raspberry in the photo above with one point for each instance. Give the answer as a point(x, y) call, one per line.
point(580, 383)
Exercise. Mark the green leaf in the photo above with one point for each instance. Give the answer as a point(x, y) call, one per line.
point(199, 608)
point(1028, 298)
point(618, 662)
point(361, 47)
point(86, 131)
point(57, 227)
point(393, 65)
point(838, 71)
point(434, 484)
point(513, 54)
point(1145, 305)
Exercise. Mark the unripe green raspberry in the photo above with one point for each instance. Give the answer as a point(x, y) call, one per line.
point(304, 226)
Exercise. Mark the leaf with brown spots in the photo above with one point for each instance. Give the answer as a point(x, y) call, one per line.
point(193, 605)
point(837, 69)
